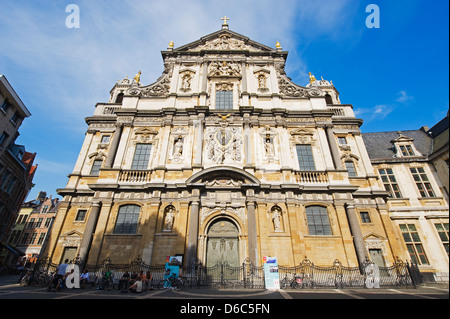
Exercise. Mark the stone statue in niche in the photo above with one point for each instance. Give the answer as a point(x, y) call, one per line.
point(178, 147)
point(169, 217)
point(277, 219)
point(186, 83)
point(268, 145)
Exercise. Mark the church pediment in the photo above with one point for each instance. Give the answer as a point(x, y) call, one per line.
point(224, 40)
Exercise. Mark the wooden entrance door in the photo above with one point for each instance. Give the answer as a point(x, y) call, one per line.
point(223, 244)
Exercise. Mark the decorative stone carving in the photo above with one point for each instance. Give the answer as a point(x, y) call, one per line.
point(288, 88)
point(223, 144)
point(302, 136)
point(224, 68)
point(225, 42)
point(160, 88)
point(144, 135)
point(224, 86)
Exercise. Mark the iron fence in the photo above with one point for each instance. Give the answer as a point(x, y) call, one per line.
point(247, 276)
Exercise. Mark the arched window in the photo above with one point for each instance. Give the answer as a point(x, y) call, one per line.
point(328, 99)
point(318, 221)
point(127, 219)
point(119, 98)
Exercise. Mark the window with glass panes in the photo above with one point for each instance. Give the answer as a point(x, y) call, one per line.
point(81, 214)
point(390, 183)
point(95, 171)
point(127, 219)
point(41, 238)
point(141, 156)
point(414, 244)
point(318, 221)
point(407, 150)
point(422, 182)
point(365, 217)
point(305, 157)
point(442, 229)
point(350, 168)
point(342, 140)
point(224, 100)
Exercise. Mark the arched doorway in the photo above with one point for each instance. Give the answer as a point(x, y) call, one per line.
point(223, 243)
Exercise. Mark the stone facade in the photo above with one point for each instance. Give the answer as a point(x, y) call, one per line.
point(413, 166)
point(224, 158)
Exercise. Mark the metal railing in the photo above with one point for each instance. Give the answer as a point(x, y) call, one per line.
point(247, 276)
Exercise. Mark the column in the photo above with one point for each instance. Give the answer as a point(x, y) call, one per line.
point(113, 148)
point(199, 140)
point(334, 148)
point(361, 251)
point(252, 233)
point(247, 144)
point(89, 231)
point(191, 251)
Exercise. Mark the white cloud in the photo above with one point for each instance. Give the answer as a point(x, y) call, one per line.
point(403, 97)
point(378, 112)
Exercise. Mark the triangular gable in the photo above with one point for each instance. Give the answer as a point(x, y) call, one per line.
point(224, 40)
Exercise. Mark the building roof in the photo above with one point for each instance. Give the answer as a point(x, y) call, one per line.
point(380, 144)
point(7, 90)
point(439, 128)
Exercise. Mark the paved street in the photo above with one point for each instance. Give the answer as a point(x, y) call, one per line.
point(10, 289)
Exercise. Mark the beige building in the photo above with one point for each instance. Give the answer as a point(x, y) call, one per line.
point(411, 165)
point(224, 159)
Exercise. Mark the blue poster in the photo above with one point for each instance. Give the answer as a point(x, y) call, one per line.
point(173, 264)
point(271, 276)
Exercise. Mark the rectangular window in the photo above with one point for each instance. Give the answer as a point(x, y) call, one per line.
point(305, 158)
point(31, 223)
point(422, 182)
point(81, 215)
point(390, 183)
point(407, 150)
point(141, 156)
point(318, 221)
point(127, 219)
point(442, 229)
point(351, 169)
point(15, 118)
point(365, 217)
point(5, 106)
point(48, 221)
point(39, 223)
point(95, 171)
point(3, 137)
point(41, 239)
point(224, 100)
point(414, 244)
point(342, 140)
point(33, 239)
point(105, 139)
point(24, 238)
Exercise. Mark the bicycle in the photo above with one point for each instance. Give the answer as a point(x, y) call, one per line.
point(172, 282)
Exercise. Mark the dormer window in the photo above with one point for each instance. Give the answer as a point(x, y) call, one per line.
point(404, 146)
point(406, 150)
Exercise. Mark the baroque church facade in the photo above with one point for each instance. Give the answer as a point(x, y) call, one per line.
point(224, 159)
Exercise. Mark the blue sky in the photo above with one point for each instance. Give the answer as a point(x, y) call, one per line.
point(396, 77)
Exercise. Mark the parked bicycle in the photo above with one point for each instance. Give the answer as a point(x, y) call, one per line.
point(173, 282)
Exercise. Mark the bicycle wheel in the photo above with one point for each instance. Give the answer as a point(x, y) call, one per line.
point(178, 284)
point(163, 284)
